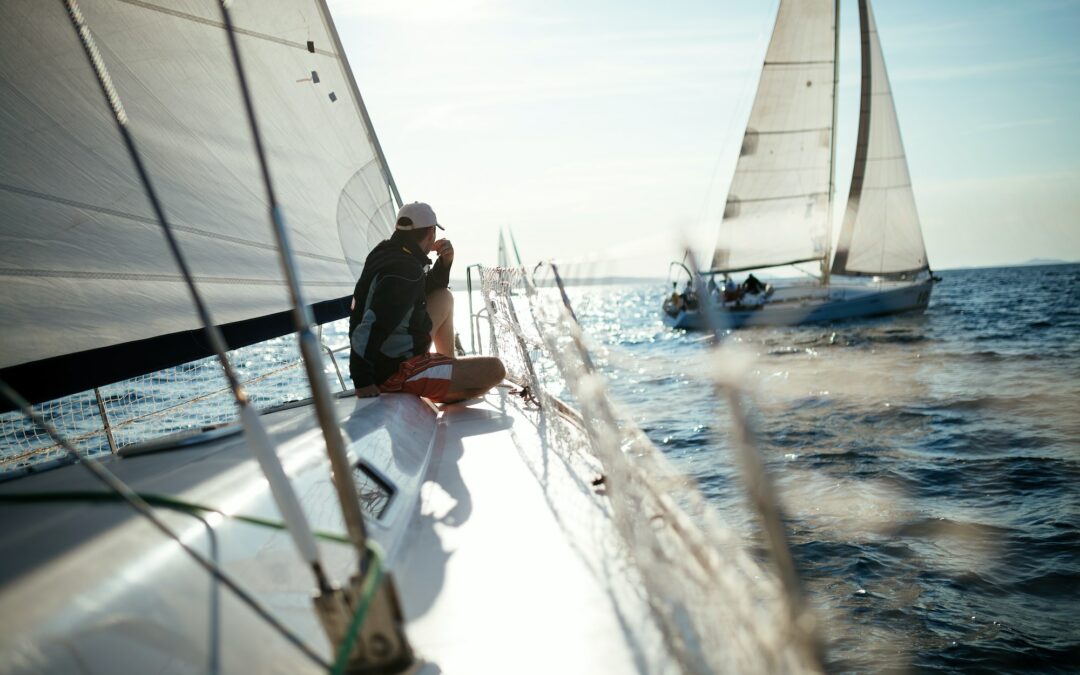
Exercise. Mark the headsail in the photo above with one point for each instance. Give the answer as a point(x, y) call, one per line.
point(881, 234)
point(84, 264)
point(777, 209)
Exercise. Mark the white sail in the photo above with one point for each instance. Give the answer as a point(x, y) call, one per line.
point(83, 262)
point(881, 234)
point(777, 209)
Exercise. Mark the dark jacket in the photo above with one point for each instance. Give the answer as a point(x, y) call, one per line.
point(389, 321)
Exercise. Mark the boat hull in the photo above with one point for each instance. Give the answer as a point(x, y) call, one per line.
point(838, 303)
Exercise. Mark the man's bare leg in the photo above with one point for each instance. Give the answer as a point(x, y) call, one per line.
point(440, 307)
point(473, 376)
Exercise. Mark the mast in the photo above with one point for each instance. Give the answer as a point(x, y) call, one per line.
point(832, 151)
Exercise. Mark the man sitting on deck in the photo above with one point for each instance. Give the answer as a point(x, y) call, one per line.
point(399, 311)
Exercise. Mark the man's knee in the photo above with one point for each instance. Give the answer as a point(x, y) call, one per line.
point(494, 372)
point(477, 373)
point(498, 371)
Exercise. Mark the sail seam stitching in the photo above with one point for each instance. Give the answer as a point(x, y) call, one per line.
point(150, 221)
point(790, 131)
point(773, 199)
point(769, 63)
point(221, 25)
point(132, 276)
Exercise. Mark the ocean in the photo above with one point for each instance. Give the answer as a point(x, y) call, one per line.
point(928, 465)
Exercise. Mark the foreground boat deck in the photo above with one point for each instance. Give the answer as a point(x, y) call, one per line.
point(501, 551)
point(505, 590)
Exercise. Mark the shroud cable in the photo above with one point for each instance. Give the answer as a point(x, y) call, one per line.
point(259, 441)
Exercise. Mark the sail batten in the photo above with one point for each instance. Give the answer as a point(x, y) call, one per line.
point(778, 203)
point(881, 234)
point(85, 264)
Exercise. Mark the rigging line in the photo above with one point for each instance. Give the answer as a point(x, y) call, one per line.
point(341, 474)
point(141, 507)
point(258, 440)
point(761, 493)
point(164, 501)
point(116, 106)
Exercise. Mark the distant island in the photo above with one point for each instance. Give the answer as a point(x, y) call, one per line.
point(1043, 261)
point(1034, 262)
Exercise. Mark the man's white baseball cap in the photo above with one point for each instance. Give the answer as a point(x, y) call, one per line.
point(416, 216)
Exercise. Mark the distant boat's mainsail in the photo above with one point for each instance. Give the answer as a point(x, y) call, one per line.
point(85, 267)
point(881, 234)
point(777, 209)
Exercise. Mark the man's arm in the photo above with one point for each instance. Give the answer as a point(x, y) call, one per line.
point(391, 299)
point(439, 276)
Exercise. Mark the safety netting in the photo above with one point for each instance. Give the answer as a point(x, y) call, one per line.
point(191, 396)
point(715, 606)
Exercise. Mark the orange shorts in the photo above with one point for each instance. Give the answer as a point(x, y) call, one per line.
point(426, 375)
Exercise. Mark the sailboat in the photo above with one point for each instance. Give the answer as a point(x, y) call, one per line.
point(779, 206)
point(163, 524)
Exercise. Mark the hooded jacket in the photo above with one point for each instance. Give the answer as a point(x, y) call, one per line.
point(389, 322)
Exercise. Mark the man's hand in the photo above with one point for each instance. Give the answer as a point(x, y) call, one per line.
point(445, 250)
point(369, 391)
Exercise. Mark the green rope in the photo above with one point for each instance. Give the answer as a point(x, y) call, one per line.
point(163, 501)
point(372, 578)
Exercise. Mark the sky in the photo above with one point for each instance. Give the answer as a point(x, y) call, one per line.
point(604, 133)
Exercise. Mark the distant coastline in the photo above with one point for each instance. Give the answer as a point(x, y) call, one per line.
point(459, 282)
point(1034, 262)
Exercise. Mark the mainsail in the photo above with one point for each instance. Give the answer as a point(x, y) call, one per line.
point(881, 234)
point(777, 208)
point(90, 292)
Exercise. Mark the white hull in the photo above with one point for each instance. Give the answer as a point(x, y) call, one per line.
point(489, 578)
point(797, 305)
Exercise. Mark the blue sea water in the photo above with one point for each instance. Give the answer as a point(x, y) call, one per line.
point(928, 465)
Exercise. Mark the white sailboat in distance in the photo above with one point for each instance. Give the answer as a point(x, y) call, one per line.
point(779, 205)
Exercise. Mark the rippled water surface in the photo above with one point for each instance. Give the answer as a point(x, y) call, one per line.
point(929, 465)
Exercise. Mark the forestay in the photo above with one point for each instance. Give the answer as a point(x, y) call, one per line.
point(881, 234)
point(777, 209)
point(83, 262)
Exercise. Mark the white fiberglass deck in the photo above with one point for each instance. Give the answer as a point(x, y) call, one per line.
point(506, 563)
point(492, 581)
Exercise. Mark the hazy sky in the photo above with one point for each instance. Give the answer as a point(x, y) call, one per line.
point(606, 131)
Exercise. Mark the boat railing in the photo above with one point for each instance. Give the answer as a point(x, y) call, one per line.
point(476, 345)
point(706, 591)
point(675, 267)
